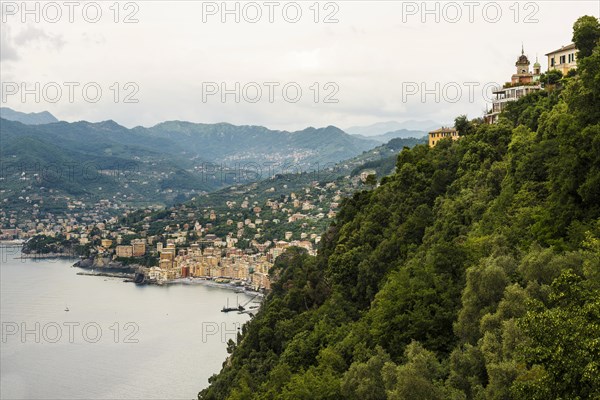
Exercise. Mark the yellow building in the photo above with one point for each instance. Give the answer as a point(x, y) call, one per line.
point(261, 281)
point(170, 249)
point(139, 249)
point(106, 243)
point(124, 251)
point(442, 133)
point(563, 59)
point(165, 264)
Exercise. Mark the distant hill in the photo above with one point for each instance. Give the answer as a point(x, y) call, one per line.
point(43, 117)
point(224, 142)
point(170, 160)
point(381, 128)
point(402, 133)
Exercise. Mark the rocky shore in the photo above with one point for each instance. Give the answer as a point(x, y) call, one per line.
point(106, 265)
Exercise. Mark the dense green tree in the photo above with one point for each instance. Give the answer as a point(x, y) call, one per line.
point(586, 33)
point(551, 77)
point(419, 378)
point(464, 126)
point(371, 180)
point(364, 380)
point(562, 349)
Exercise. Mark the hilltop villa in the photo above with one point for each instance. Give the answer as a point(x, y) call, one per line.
point(563, 59)
point(442, 133)
point(521, 84)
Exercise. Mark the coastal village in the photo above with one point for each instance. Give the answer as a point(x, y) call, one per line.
point(191, 250)
point(235, 242)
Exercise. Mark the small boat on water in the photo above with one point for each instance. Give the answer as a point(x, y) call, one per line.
point(229, 309)
point(226, 309)
point(66, 308)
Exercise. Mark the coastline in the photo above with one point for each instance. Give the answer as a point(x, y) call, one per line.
point(46, 255)
point(129, 272)
point(105, 267)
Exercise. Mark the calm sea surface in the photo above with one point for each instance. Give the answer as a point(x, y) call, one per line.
point(117, 341)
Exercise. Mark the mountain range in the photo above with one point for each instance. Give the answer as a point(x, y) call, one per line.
point(43, 117)
point(399, 134)
point(381, 128)
point(170, 159)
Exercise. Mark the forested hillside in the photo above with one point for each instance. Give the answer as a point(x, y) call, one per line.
point(471, 273)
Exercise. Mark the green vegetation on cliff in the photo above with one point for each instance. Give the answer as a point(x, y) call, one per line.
point(473, 272)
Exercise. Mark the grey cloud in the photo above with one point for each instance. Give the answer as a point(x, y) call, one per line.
point(11, 42)
point(34, 34)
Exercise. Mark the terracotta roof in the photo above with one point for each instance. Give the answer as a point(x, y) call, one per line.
point(443, 129)
point(567, 47)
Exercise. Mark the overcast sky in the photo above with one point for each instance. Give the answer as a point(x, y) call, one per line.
point(374, 61)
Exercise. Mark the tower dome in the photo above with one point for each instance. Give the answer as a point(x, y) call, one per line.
point(522, 58)
point(522, 63)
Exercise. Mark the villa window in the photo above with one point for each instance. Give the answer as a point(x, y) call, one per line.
point(552, 62)
point(563, 59)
